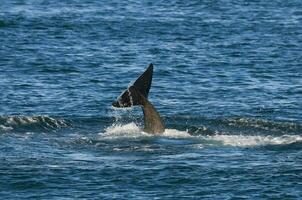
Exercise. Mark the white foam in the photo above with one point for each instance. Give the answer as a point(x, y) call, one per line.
point(20, 120)
point(26, 120)
point(123, 130)
point(173, 133)
point(131, 130)
point(247, 140)
point(6, 128)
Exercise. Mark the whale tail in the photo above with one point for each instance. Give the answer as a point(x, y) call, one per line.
point(136, 93)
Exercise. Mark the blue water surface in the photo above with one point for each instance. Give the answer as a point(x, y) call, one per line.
point(227, 82)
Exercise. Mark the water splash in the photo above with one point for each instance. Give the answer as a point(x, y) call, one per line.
point(133, 130)
point(126, 130)
point(130, 97)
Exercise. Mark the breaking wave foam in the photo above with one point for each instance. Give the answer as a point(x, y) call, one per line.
point(131, 130)
point(249, 141)
point(10, 123)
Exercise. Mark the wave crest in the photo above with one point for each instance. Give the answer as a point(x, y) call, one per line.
point(265, 125)
point(250, 141)
point(131, 130)
point(29, 123)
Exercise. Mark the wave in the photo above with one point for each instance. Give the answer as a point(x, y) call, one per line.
point(240, 132)
point(265, 125)
point(251, 141)
point(240, 125)
point(191, 124)
point(30, 123)
point(131, 130)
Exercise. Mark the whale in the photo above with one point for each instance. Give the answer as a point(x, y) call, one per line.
point(137, 95)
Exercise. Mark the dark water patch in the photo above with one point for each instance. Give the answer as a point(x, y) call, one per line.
point(2, 23)
point(28, 185)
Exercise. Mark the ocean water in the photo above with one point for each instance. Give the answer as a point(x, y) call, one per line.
point(227, 82)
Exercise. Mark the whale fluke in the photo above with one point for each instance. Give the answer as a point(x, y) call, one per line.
point(143, 83)
point(137, 95)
